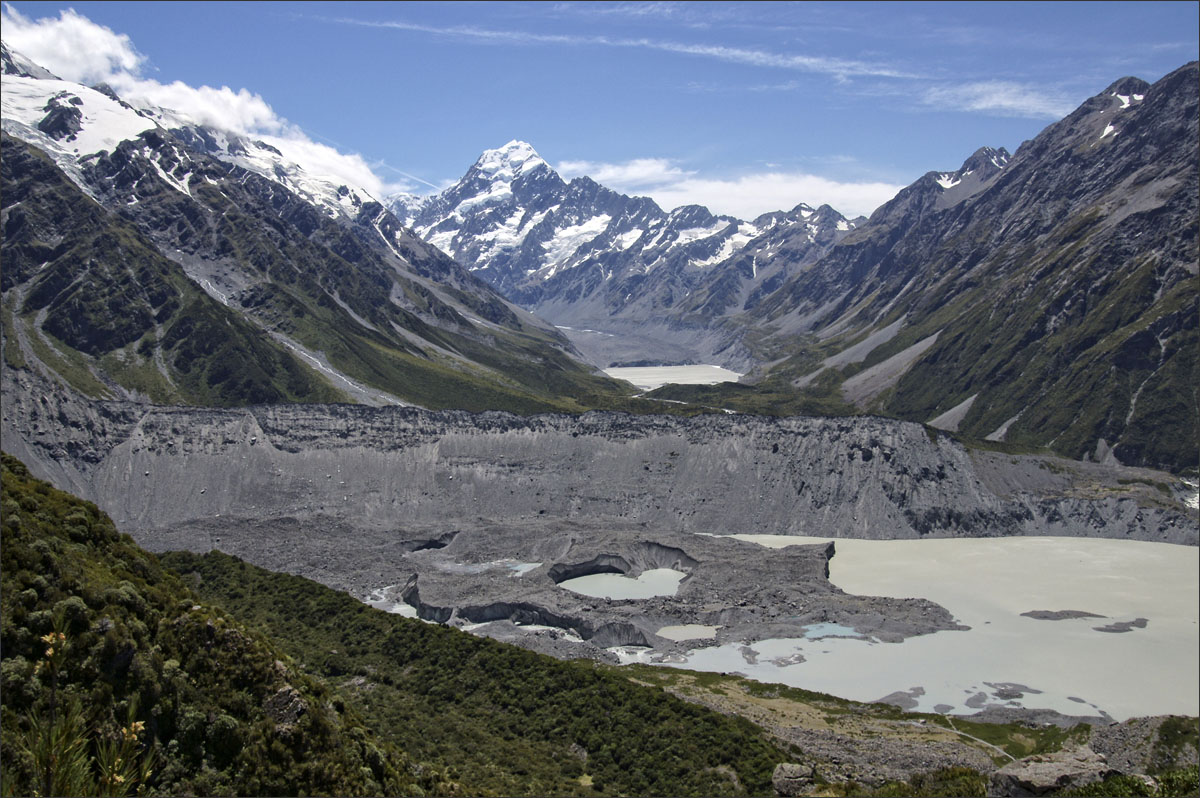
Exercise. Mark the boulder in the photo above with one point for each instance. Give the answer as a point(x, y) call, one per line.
point(1040, 774)
point(791, 779)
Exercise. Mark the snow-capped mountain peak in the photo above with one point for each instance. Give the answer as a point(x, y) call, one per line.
point(578, 250)
point(976, 173)
point(73, 123)
point(510, 161)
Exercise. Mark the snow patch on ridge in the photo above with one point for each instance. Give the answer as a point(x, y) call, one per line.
point(696, 233)
point(104, 123)
point(569, 239)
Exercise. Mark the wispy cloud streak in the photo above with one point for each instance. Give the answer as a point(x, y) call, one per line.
point(838, 67)
point(630, 175)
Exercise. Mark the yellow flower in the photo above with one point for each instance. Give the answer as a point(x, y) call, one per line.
point(48, 638)
point(118, 778)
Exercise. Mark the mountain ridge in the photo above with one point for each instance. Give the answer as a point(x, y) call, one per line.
point(334, 284)
point(599, 263)
point(1040, 295)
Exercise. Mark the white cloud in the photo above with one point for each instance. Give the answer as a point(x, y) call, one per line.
point(745, 197)
point(238, 111)
point(628, 176)
point(72, 46)
point(1001, 98)
point(77, 49)
point(750, 195)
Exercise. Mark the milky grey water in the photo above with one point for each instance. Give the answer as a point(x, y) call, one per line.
point(1006, 658)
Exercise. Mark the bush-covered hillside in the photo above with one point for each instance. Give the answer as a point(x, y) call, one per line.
point(503, 719)
point(293, 688)
point(100, 643)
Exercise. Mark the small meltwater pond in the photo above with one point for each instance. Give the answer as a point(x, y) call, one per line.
point(820, 630)
point(688, 631)
point(386, 599)
point(650, 377)
point(655, 582)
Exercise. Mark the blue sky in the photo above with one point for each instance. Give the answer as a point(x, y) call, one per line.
point(743, 107)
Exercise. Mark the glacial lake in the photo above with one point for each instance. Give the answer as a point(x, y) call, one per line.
point(648, 584)
point(650, 377)
point(1149, 590)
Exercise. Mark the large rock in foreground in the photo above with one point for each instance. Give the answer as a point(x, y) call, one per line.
point(1038, 775)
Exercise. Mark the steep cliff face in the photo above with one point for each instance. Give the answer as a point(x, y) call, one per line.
point(390, 468)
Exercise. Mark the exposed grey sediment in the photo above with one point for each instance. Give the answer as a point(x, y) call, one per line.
point(434, 503)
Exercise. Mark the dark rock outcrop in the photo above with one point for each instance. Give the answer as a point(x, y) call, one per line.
point(63, 118)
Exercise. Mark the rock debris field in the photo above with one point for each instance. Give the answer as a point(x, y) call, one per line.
point(477, 519)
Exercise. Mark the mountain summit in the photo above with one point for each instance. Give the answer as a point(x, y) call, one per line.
point(606, 266)
point(505, 163)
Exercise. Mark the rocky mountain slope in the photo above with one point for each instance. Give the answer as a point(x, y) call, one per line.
point(146, 255)
point(604, 265)
point(1047, 299)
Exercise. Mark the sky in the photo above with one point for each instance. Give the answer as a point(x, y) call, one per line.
point(743, 107)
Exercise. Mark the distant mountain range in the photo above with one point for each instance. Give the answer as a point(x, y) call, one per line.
point(1042, 299)
point(584, 256)
point(1046, 298)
